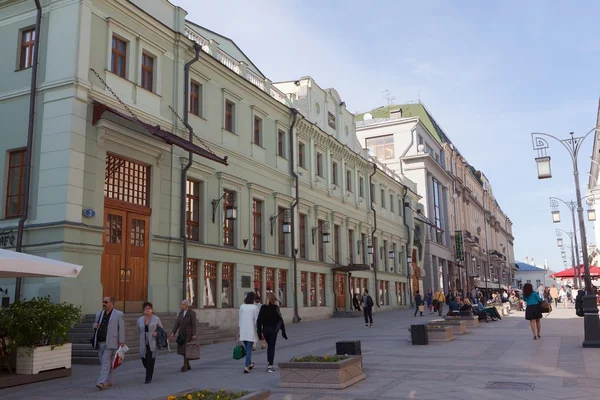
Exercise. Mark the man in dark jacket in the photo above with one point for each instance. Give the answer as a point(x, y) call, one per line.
point(368, 308)
point(579, 303)
point(418, 302)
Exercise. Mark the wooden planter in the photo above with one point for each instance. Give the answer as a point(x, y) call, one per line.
point(459, 327)
point(321, 375)
point(437, 333)
point(31, 362)
point(472, 320)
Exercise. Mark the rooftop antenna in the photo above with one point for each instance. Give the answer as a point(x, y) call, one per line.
point(387, 95)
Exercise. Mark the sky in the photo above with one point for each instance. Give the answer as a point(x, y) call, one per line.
point(489, 72)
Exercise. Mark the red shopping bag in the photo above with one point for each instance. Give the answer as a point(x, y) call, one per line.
point(119, 357)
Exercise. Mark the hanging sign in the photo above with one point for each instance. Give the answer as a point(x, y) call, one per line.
point(459, 245)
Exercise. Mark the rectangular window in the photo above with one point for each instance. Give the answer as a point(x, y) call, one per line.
point(15, 188)
point(147, 72)
point(303, 289)
point(196, 99)
point(228, 225)
point(127, 181)
point(334, 173)
point(227, 285)
point(363, 242)
point(391, 202)
point(384, 255)
point(372, 193)
point(257, 224)
point(400, 207)
point(119, 57)
point(210, 283)
point(384, 299)
point(382, 193)
point(229, 116)
point(336, 241)
point(270, 281)
point(320, 165)
point(322, 292)
point(193, 210)
point(351, 245)
point(320, 240)
point(349, 180)
point(280, 234)
point(191, 279)
point(313, 289)
point(361, 187)
point(258, 127)
point(258, 281)
point(437, 211)
point(282, 287)
point(27, 47)
point(301, 155)
point(381, 147)
point(281, 144)
point(302, 233)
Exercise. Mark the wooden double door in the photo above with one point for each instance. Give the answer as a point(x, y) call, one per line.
point(125, 258)
point(341, 287)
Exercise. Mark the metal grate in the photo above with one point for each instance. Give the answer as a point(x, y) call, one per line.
point(519, 386)
point(126, 180)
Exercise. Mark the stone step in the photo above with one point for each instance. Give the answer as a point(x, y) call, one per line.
point(347, 314)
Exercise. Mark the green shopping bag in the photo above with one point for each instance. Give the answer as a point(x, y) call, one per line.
point(239, 351)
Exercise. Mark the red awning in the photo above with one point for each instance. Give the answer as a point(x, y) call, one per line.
point(167, 137)
point(570, 273)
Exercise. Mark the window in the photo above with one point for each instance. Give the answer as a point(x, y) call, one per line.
point(382, 198)
point(351, 245)
point(229, 116)
point(349, 180)
point(258, 127)
point(301, 155)
point(302, 234)
point(193, 210)
point(437, 211)
point(228, 225)
point(280, 234)
point(322, 301)
point(363, 242)
point(191, 279)
point(257, 225)
point(270, 281)
point(227, 286)
point(119, 57)
point(303, 289)
point(384, 255)
point(384, 299)
point(400, 207)
point(258, 281)
point(210, 283)
point(372, 193)
point(147, 72)
point(282, 287)
point(320, 240)
point(320, 165)
point(361, 187)
point(538, 282)
point(15, 187)
point(313, 289)
point(334, 173)
point(281, 144)
point(196, 99)
point(391, 202)
point(337, 244)
point(27, 47)
point(127, 181)
point(381, 147)
point(331, 120)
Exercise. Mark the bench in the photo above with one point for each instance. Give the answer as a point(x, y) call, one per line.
point(458, 326)
point(503, 309)
point(471, 320)
point(437, 333)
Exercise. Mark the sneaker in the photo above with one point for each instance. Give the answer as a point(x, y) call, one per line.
point(270, 369)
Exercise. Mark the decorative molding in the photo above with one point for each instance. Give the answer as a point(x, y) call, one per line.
point(108, 130)
point(254, 187)
point(160, 159)
point(228, 92)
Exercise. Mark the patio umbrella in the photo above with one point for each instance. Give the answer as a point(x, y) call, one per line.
point(570, 272)
point(21, 265)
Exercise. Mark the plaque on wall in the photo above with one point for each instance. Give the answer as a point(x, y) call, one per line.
point(246, 281)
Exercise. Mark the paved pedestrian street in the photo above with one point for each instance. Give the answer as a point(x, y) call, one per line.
point(557, 367)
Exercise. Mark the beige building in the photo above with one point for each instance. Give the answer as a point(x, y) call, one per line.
point(118, 187)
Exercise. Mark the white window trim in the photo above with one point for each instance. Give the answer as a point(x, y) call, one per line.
point(286, 143)
point(303, 166)
point(157, 52)
point(257, 112)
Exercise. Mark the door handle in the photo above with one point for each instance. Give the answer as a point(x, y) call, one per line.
point(122, 275)
point(127, 274)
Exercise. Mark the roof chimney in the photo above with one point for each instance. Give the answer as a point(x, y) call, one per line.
point(396, 113)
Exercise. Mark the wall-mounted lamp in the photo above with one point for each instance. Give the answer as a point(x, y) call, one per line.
point(230, 211)
point(370, 246)
point(343, 104)
point(324, 228)
point(286, 226)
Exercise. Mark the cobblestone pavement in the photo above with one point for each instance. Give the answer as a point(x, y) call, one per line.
point(556, 367)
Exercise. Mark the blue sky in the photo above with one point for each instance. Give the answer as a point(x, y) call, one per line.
point(490, 72)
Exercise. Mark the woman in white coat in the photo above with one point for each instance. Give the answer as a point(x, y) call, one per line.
point(147, 325)
point(247, 321)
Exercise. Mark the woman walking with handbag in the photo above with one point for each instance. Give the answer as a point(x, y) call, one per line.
point(533, 312)
point(247, 321)
point(269, 323)
point(147, 324)
point(186, 325)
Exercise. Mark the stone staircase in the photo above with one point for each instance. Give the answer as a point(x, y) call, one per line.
point(81, 333)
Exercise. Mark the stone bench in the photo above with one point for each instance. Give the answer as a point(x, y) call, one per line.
point(459, 327)
point(472, 320)
point(503, 309)
point(436, 333)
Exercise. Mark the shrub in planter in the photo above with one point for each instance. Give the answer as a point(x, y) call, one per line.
point(208, 395)
point(321, 372)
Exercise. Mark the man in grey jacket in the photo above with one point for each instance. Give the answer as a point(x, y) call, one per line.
point(109, 336)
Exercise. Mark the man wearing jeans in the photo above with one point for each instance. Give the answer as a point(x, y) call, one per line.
point(440, 299)
point(109, 336)
point(368, 308)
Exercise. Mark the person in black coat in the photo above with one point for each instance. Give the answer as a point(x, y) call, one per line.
point(269, 323)
point(579, 303)
point(418, 302)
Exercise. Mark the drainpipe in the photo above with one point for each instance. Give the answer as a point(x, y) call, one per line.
point(374, 263)
point(454, 198)
point(29, 148)
point(407, 245)
point(296, 318)
point(186, 111)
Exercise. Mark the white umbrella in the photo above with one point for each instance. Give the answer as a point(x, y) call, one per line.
point(21, 265)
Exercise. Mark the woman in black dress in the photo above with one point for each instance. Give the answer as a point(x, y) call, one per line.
point(533, 312)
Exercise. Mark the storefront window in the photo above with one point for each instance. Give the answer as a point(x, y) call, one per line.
point(227, 283)
point(322, 288)
point(258, 281)
point(313, 289)
point(191, 278)
point(282, 287)
point(270, 281)
point(303, 289)
point(210, 283)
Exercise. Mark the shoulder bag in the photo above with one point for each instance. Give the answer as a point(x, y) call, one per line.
point(192, 351)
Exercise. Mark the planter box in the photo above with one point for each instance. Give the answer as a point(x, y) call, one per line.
point(459, 327)
point(256, 395)
point(321, 375)
point(472, 320)
point(438, 334)
point(43, 359)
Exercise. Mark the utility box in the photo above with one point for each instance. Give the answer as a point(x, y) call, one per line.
point(349, 347)
point(418, 334)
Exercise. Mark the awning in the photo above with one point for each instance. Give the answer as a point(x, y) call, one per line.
point(352, 268)
point(167, 137)
point(21, 265)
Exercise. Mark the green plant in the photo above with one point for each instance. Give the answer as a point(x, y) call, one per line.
point(208, 395)
point(40, 322)
point(310, 358)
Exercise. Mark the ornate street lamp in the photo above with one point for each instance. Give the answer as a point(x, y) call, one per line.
point(559, 242)
point(230, 210)
point(286, 227)
point(556, 216)
point(543, 167)
point(591, 214)
point(324, 228)
point(563, 254)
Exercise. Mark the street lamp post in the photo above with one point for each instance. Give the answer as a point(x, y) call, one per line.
point(555, 212)
point(572, 236)
point(573, 145)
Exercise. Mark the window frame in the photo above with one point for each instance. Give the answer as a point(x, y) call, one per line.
point(281, 144)
point(228, 225)
point(349, 181)
point(190, 221)
point(209, 266)
point(313, 289)
point(303, 288)
point(191, 279)
point(392, 202)
point(21, 181)
point(257, 131)
point(147, 72)
point(380, 144)
point(229, 116)
point(281, 247)
point(301, 155)
point(351, 245)
point(282, 282)
point(334, 173)
point(229, 277)
point(382, 194)
point(337, 256)
point(257, 273)
point(361, 189)
point(257, 208)
point(320, 244)
point(116, 53)
point(319, 162)
point(26, 48)
point(302, 220)
point(196, 98)
point(322, 291)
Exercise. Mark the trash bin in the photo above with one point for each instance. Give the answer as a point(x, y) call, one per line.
point(418, 334)
point(348, 347)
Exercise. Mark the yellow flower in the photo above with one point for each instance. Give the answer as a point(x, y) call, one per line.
point(190, 397)
point(171, 398)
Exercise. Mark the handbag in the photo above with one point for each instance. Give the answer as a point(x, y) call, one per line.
point(239, 351)
point(180, 338)
point(545, 307)
point(192, 351)
point(421, 308)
